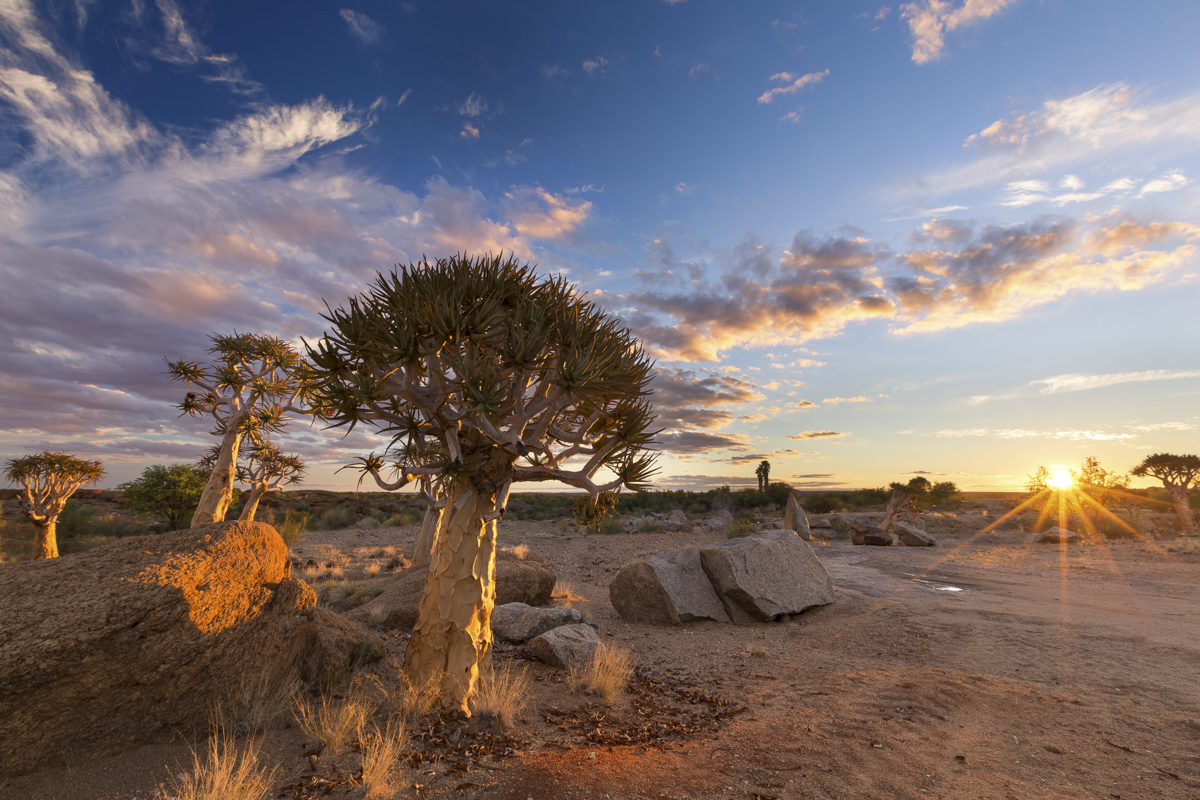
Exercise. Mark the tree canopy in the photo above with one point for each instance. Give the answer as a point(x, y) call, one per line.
point(163, 490)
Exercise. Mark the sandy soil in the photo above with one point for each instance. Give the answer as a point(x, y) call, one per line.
point(988, 667)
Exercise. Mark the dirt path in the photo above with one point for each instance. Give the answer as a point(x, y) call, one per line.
point(983, 668)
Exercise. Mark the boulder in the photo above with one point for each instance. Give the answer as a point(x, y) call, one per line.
point(517, 622)
point(759, 578)
point(1058, 535)
point(568, 646)
point(772, 525)
point(400, 594)
point(132, 642)
point(912, 536)
point(819, 522)
point(368, 522)
point(794, 518)
point(870, 535)
point(723, 513)
point(666, 590)
point(677, 517)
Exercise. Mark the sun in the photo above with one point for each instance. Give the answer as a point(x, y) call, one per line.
point(1060, 478)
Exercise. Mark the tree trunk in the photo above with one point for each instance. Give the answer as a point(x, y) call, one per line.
point(45, 543)
point(1183, 511)
point(251, 506)
point(218, 492)
point(452, 642)
point(429, 534)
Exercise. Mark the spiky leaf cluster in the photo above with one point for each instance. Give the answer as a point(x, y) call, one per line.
point(253, 379)
point(48, 479)
point(462, 356)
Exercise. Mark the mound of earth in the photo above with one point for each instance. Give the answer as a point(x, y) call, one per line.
point(133, 642)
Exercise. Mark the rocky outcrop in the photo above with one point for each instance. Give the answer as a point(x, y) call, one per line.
point(399, 599)
point(517, 622)
point(132, 642)
point(819, 522)
point(760, 578)
point(1058, 535)
point(912, 536)
point(568, 646)
point(666, 590)
point(872, 536)
point(794, 518)
point(754, 578)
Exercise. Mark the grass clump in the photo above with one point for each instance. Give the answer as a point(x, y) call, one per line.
point(381, 751)
point(252, 704)
point(606, 675)
point(503, 697)
point(398, 563)
point(650, 525)
point(372, 569)
point(330, 724)
point(225, 772)
point(403, 519)
point(611, 525)
point(350, 589)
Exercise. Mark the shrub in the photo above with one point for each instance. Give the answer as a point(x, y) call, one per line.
point(335, 518)
point(611, 525)
point(294, 527)
point(171, 491)
point(254, 702)
point(74, 520)
point(403, 518)
point(740, 528)
point(821, 503)
point(650, 525)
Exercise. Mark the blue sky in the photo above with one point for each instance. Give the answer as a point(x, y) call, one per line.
point(863, 241)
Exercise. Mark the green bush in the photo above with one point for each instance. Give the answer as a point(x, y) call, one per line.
point(821, 503)
point(650, 525)
point(74, 520)
point(166, 491)
point(403, 518)
point(335, 518)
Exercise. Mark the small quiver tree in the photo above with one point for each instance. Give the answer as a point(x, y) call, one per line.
point(266, 469)
point(47, 481)
point(484, 375)
point(905, 502)
point(251, 386)
point(1178, 475)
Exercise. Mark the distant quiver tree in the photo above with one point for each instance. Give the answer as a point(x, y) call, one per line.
point(1178, 475)
point(266, 469)
point(251, 386)
point(484, 375)
point(905, 502)
point(47, 481)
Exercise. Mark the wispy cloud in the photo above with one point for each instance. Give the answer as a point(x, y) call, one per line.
point(816, 435)
point(931, 20)
point(595, 66)
point(1074, 382)
point(364, 29)
point(1022, 433)
point(833, 401)
point(794, 84)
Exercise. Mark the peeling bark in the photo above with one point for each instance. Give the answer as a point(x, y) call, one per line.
point(427, 541)
point(45, 544)
point(452, 643)
point(218, 492)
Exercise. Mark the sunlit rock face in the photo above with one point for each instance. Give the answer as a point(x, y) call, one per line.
point(132, 642)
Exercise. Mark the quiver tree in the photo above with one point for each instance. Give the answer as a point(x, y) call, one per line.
point(484, 375)
point(252, 384)
point(1178, 474)
point(904, 504)
point(47, 481)
point(266, 469)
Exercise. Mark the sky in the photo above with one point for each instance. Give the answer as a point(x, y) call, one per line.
point(954, 238)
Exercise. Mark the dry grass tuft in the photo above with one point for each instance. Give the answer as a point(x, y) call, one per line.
point(380, 753)
point(503, 698)
point(252, 704)
point(376, 615)
point(350, 589)
point(399, 698)
point(224, 773)
point(566, 592)
point(607, 675)
point(398, 563)
point(333, 724)
point(372, 569)
point(520, 551)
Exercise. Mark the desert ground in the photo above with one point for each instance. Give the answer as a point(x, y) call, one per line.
point(990, 666)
